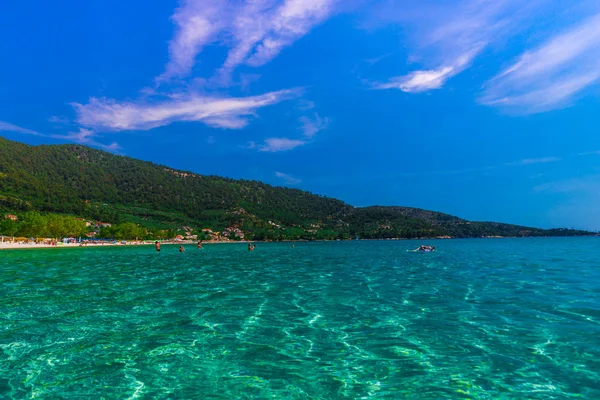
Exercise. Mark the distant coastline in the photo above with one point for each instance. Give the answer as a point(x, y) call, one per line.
point(37, 246)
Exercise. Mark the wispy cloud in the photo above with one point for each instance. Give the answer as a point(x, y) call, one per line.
point(590, 153)
point(290, 180)
point(222, 112)
point(5, 126)
point(87, 137)
point(274, 145)
point(60, 120)
point(292, 20)
point(550, 76)
point(449, 36)
point(530, 161)
point(83, 136)
point(422, 81)
point(312, 126)
point(198, 23)
point(255, 31)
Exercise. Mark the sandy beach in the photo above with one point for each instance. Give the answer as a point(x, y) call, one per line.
point(60, 245)
point(32, 246)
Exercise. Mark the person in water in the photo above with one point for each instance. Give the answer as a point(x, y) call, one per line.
point(425, 248)
point(251, 247)
point(181, 249)
point(199, 245)
point(157, 245)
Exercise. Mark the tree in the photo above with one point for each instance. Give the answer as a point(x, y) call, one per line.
point(8, 227)
point(33, 224)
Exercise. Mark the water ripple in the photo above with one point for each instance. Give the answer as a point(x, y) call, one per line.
point(480, 319)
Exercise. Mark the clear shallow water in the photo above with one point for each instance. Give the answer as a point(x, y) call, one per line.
point(480, 319)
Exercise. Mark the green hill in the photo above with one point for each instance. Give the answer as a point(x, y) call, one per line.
point(93, 184)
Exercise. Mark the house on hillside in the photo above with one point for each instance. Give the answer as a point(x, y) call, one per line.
point(103, 224)
point(11, 217)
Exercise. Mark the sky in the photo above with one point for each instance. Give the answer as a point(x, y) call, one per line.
point(484, 109)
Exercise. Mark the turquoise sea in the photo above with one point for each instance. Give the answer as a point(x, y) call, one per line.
point(478, 319)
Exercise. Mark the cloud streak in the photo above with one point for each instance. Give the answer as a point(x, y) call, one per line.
point(83, 136)
point(221, 112)
point(87, 137)
point(198, 23)
point(425, 80)
point(274, 145)
point(7, 127)
point(450, 36)
point(255, 31)
point(551, 75)
point(290, 180)
point(530, 161)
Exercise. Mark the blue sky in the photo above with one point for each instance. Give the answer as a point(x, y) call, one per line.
point(485, 109)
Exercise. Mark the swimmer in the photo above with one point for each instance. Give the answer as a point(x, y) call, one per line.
point(157, 245)
point(251, 247)
point(181, 249)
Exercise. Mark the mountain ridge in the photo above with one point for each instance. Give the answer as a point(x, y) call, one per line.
point(94, 184)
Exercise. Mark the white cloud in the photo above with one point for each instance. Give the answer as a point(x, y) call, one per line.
point(449, 36)
point(290, 180)
point(256, 31)
point(280, 144)
point(418, 81)
point(198, 23)
point(292, 20)
point(550, 76)
point(312, 126)
point(421, 81)
point(5, 126)
point(223, 112)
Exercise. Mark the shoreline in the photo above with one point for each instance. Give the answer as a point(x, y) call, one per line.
point(36, 246)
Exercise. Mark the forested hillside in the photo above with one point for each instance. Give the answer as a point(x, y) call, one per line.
point(96, 185)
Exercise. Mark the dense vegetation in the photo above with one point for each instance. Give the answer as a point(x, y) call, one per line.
point(87, 183)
